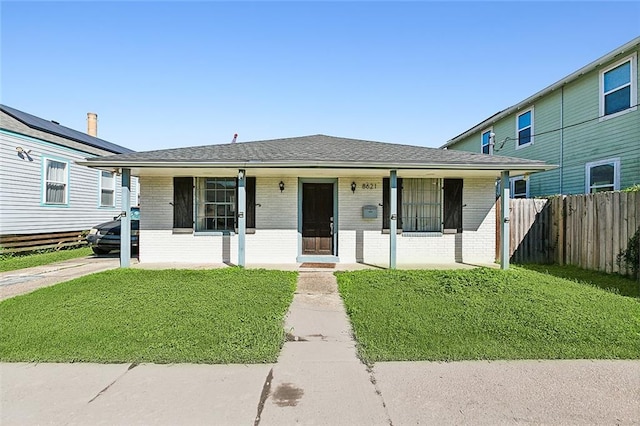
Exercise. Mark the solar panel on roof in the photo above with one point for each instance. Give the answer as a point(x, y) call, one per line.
point(62, 131)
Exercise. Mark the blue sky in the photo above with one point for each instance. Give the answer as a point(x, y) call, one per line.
point(173, 74)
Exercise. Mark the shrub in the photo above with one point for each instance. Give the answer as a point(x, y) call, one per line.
point(630, 257)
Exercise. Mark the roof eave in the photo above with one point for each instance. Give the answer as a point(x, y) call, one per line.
point(533, 167)
point(568, 79)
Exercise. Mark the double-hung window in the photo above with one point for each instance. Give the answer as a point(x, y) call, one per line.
point(56, 186)
point(107, 189)
point(215, 204)
point(519, 187)
point(618, 87)
point(603, 176)
point(524, 129)
point(485, 141)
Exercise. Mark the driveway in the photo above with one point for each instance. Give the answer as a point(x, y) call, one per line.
point(21, 281)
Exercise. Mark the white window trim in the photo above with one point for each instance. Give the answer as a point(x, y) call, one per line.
point(100, 188)
point(198, 203)
point(616, 173)
point(490, 130)
point(518, 146)
point(633, 58)
point(44, 181)
point(512, 185)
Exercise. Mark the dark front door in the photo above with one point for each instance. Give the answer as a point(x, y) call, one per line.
point(453, 204)
point(317, 218)
point(183, 202)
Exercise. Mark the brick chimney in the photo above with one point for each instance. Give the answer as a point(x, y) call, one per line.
point(92, 124)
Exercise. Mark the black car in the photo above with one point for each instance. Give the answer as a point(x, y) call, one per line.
point(106, 237)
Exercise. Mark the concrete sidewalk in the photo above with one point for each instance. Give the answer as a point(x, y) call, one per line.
point(319, 380)
point(404, 393)
point(96, 394)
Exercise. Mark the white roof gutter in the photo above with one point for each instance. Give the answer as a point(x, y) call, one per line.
point(315, 164)
point(568, 79)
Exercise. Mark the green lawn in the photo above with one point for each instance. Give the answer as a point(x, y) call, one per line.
point(486, 314)
point(16, 261)
point(615, 283)
point(226, 315)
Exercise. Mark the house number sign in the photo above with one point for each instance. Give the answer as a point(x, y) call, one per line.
point(369, 185)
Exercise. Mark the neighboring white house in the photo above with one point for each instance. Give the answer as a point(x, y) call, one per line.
point(316, 199)
point(42, 188)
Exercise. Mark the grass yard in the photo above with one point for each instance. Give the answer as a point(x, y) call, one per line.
point(486, 314)
point(16, 261)
point(615, 283)
point(228, 315)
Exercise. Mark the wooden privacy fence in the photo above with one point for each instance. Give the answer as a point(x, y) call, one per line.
point(587, 230)
point(32, 242)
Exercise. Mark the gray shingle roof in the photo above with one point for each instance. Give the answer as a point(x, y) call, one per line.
point(316, 149)
point(52, 128)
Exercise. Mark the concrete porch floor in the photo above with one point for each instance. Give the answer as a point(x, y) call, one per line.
point(298, 267)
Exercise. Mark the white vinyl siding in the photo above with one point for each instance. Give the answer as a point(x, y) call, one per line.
point(602, 176)
point(108, 189)
point(56, 182)
point(23, 189)
point(524, 129)
point(618, 88)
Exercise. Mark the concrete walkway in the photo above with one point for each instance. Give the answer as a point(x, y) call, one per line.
point(319, 380)
point(22, 281)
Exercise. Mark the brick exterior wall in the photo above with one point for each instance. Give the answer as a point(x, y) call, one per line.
point(276, 238)
point(478, 221)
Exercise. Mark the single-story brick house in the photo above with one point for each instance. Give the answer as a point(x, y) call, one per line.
point(316, 199)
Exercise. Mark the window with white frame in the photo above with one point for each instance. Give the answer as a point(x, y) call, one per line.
point(485, 142)
point(421, 205)
point(55, 181)
point(215, 204)
point(603, 176)
point(519, 187)
point(107, 189)
point(618, 87)
point(524, 129)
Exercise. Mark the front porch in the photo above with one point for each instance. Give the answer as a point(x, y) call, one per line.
point(317, 199)
point(349, 222)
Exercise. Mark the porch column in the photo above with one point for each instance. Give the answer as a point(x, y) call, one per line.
point(393, 218)
point(242, 221)
point(125, 220)
point(504, 220)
